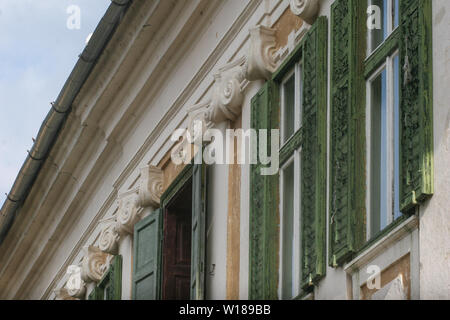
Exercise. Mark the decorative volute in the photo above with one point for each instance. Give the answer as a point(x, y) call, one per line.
point(199, 114)
point(227, 96)
point(128, 213)
point(260, 62)
point(150, 186)
point(94, 264)
point(109, 237)
point(307, 10)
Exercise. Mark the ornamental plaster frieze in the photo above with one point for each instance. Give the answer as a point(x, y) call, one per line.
point(307, 10)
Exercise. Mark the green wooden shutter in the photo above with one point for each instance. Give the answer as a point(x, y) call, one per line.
point(198, 232)
point(314, 147)
point(347, 179)
point(113, 285)
point(95, 294)
point(416, 154)
point(264, 204)
point(147, 257)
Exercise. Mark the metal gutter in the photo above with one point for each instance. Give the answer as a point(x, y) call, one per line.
point(58, 114)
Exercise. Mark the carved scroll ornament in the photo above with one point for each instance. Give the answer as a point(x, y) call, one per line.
point(307, 10)
point(94, 264)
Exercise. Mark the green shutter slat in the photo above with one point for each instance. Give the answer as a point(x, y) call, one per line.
point(313, 164)
point(198, 232)
point(147, 257)
point(416, 154)
point(263, 262)
point(347, 194)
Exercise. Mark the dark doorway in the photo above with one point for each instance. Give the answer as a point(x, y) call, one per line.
point(176, 277)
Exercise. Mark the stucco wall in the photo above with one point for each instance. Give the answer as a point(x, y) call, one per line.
point(435, 215)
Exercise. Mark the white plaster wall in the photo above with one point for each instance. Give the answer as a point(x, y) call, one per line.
point(216, 229)
point(435, 215)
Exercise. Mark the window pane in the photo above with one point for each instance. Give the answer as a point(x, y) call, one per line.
point(289, 108)
point(288, 232)
point(379, 155)
point(378, 30)
point(397, 212)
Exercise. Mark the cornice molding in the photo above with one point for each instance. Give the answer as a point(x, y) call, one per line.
point(307, 10)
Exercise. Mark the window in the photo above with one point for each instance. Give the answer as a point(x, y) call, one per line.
point(291, 91)
point(381, 161)
point(288, 210)
point(382, 118)
point(383, 146)
point(384, 19)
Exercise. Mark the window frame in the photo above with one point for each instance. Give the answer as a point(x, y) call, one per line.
point(291, 155)
point(382, 58)
point(387, 66)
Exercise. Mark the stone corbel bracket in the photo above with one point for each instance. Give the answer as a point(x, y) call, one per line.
point(94, 264)
point(109, 237)
point(128, 213)
point(199, 120)
point(227, 95)
point(260, 62)
point(307, 10)
point(150, 186)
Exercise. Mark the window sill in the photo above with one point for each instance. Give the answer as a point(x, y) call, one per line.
point(375, 247)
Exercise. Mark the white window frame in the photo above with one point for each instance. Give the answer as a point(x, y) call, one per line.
point(296, 160)
point(388, 65)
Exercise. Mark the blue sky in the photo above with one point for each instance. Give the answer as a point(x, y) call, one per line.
point(37, 53)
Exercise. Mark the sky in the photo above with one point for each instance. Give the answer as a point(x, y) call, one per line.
point(40, 41)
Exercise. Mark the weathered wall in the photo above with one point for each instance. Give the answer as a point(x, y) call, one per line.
point(435, 215)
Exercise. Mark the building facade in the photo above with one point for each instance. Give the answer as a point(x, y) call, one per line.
point(321, 170)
